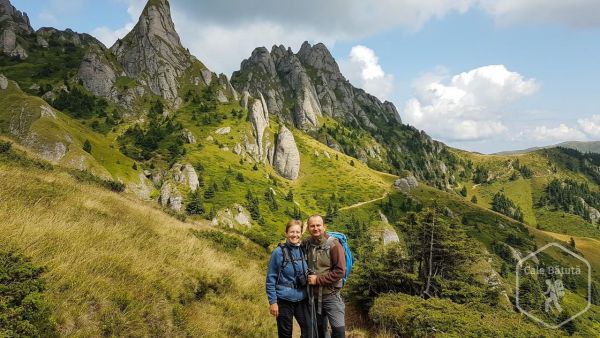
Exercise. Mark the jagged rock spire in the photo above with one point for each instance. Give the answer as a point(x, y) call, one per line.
point(8, 13)
point(302, 87)
point(152, 51)
point(12, 23)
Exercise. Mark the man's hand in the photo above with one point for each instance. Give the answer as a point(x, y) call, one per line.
point(274, 309)
point(312, 280)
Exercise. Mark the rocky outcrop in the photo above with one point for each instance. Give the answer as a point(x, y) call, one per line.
point(298, 88)
point(593, 212)
point(3, 82)
point(312, 84)
point(96, 73)
point(67, 36)
point(9, 15)
point(152, 52)
point(223, 131)
point(244, 100)
point(185, 174)
point(12, 24)
point(277, 75)
point(406, 184)
point(237, 215)
point(259, 117)
point(286, 159)
point(170, 196)
point(188, 136)
point(389, 236)
point(9, 45)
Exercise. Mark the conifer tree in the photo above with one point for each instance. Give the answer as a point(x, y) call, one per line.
point(195, 205)
point(209, 193)
point(87, 146)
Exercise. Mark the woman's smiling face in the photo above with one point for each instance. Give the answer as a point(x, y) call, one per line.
point(294, 234)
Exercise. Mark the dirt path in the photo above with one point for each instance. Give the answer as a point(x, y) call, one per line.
point(365, 202)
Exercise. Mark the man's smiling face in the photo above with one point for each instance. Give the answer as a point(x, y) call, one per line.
point(316, 226)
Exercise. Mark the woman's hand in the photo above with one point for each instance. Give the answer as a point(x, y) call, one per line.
point(274, 309)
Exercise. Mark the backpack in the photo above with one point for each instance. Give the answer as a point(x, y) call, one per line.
point(347, 252)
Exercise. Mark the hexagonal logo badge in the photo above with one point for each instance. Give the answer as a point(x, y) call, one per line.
point(553, 285)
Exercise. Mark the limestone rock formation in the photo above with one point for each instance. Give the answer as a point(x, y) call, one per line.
point(152, 52)
point(97, 74)
point(389, 236)
point(170, 196)
point(223, 131)
point(406, 184)
point(279, 74)
point(3, 82)
point(10, 15)
point(300, 87)
point(259, 117)
point(594, 213)
point(67, 36)
point(188, 136)
point(286, 159)
point(231, 217)
point(12, 24)
point(185, 174)
point(312, 84)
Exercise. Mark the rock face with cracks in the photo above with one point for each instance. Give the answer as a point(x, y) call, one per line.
point(286, 159)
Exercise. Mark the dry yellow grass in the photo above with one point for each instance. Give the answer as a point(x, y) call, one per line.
point(588, 247)
point(119, 267)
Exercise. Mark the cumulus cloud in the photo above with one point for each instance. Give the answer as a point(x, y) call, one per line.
point(590, 126)
point(213, 30)
point(560, 133)
point(222, 33)
point(364, 71)
point(574, 13)
point(467, 106)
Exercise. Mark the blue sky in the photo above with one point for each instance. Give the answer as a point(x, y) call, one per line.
point(480, 75)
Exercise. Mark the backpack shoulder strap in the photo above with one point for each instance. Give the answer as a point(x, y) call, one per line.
point(287, 257)
point(329, 243)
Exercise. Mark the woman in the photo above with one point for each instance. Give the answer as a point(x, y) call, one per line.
point(286, 283)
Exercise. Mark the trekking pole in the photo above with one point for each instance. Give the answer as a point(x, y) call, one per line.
point(313, 317)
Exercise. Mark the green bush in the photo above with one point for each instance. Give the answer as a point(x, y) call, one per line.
point(23, 309)
point(410, 316)
point(5, 146)
point(225, 241)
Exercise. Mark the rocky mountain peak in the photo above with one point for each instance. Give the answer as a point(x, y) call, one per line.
point(152, 51)
point(13, 24)
point(318, 57)
point(156, 21)
point(9, 14)
point(262, 59)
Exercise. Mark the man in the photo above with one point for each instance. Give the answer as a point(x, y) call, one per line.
point(327, 261)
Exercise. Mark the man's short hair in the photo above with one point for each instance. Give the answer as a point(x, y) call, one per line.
point(315, 216)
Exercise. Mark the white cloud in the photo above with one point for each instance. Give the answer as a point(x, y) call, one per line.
point(467, 106)
point(213, 30)
point(557, 134)
point(590, 126)
point(572, 13)
point(364, 71)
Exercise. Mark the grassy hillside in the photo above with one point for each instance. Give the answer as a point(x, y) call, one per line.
point(526, 187)
point(120, 267)
point(30, 120)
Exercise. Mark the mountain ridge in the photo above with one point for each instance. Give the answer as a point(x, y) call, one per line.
point(582, 146)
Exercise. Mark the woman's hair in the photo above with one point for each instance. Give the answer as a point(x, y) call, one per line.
point(293, 222)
